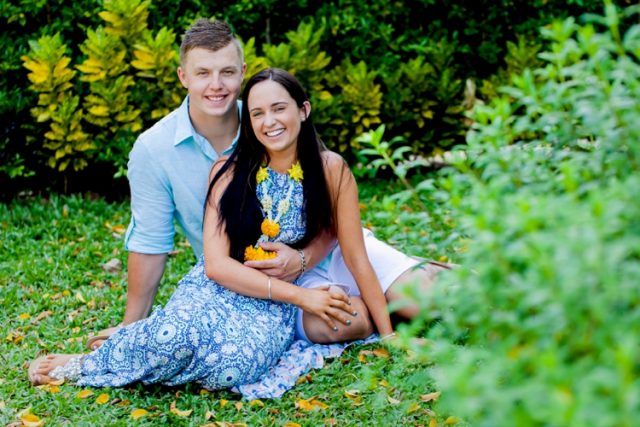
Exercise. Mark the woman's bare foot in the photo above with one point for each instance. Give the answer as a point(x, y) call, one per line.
point(39, 369)
point(96, 341)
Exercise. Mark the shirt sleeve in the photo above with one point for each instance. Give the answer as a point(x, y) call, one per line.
point(151, 228)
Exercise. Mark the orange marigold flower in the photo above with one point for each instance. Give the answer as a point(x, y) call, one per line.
point(253, 253)
point(270, 228)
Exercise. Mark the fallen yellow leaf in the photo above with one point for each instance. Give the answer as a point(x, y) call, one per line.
point(413, 407)
point(83, 394)
point(223, 402)
point(119, 229)
point(311, 404)
point(381, 352)
point(179, 412)
point(24, 316)
point(451, 420)
point(31, 420)
point(139, 413)
point(304, 379)
point(384, 383)
point(319, 404)
point(291, 424)
point(41, 316)
point(392, 401)
point(50, 388)
point(15, 337)
point(430, 396)
point(362, 356)
point(102, 399)
point(238, 406)
point(351, 394)
point(433, 423)
point(208, 415)
point(204, 392)
point(257, 402)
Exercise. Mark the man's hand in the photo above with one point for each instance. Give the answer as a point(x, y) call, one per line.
point(286, 266)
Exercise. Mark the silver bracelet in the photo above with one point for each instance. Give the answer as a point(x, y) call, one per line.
point(303, 262)
point(269, 285)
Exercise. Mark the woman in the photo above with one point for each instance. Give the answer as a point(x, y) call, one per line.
point(227, 323)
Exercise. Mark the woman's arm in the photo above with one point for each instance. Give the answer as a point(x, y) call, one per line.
point(344, 194)
point(234, 275)
point(288, 264)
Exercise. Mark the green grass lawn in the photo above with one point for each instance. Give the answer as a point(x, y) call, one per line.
point(55, 292)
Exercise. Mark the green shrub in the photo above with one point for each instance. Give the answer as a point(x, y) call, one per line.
point(421, 69)
point(541, 324)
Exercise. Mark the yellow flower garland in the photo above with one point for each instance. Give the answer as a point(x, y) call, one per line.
point(270, 227)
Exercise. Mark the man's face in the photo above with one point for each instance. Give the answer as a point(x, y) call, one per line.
point(213, 80)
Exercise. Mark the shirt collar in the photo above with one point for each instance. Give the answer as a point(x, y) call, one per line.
point(185, 129)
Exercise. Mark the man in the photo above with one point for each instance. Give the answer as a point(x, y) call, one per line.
point(168, 174)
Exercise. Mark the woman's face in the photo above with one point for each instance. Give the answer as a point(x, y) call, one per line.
point(275, 117)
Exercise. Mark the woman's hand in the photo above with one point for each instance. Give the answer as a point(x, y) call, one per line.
point(286, 266)
point(329, 305)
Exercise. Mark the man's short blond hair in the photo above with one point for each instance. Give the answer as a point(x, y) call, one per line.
point(208, 34)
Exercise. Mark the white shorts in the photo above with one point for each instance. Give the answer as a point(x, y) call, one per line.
point(387, 262)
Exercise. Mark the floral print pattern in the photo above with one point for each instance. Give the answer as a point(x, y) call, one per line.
point(206, 333)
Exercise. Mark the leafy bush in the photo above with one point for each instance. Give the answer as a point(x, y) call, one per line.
point(541, 324)
point(364, 63)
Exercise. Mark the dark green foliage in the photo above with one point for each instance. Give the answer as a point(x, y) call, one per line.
point(546, 305)
point(421, 55)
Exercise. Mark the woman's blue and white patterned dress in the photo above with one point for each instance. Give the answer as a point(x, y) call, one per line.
point(206, 333)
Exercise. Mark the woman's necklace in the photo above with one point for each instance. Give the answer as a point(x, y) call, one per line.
point(270, 226)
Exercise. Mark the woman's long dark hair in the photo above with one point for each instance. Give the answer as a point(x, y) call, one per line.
point(239, 208)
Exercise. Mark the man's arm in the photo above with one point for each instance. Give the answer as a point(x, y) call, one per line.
point(144, 274)
point(287, 265)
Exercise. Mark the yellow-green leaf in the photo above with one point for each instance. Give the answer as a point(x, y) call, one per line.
point(31, 420)
point(138, 413)
point(102, 399)
point(83, 394)
point(430, 396)
point(178, 412)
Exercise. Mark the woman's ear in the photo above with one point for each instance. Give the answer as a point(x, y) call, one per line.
point(305, 110)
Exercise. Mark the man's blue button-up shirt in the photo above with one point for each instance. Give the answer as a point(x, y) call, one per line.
point(168, 175)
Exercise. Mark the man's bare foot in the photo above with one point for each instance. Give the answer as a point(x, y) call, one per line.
point(39, 369)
